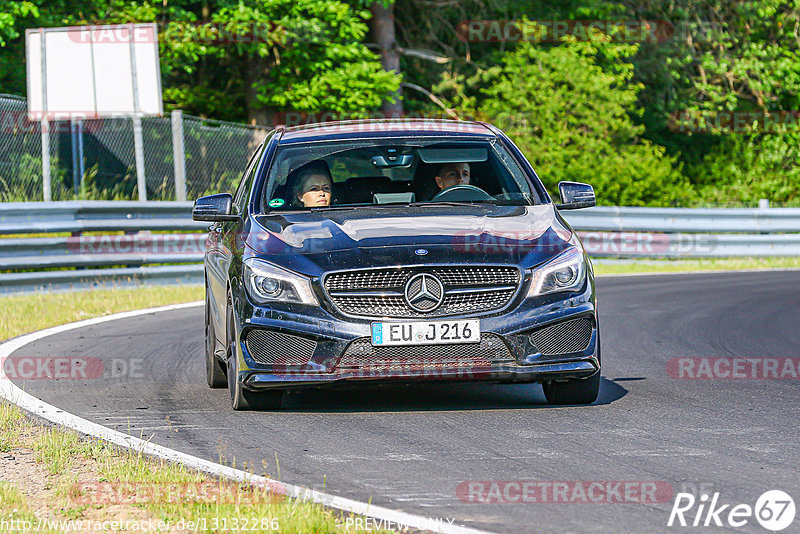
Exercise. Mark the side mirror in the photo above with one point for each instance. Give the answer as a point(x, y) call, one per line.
point(214, 208)
point(575, 195)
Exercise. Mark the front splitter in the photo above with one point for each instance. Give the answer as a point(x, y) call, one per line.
point(490, 373)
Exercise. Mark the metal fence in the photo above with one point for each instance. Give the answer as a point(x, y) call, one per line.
point(122, 242)
point(625, 232)
point(96, 242)
point(95, 159)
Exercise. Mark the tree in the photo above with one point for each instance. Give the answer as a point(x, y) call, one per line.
point(271, 56)
point(382, 33)
point(572, 119)
point(723, 57)
point(744, 168)
point(231, 59)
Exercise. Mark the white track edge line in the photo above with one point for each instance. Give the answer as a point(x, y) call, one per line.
point(707, 271)
point(26, 401)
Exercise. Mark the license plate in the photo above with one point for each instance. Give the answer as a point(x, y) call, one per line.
point(426, 332)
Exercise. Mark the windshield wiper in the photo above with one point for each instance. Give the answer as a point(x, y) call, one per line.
point(462, 203)
point(333, 208)
point(451, 203)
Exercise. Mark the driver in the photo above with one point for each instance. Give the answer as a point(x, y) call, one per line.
point(451, 174)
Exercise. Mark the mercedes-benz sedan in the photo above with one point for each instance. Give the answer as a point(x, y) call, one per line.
point(396, 250)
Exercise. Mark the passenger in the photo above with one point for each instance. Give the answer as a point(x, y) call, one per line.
point(313, 185)
point(451, 174)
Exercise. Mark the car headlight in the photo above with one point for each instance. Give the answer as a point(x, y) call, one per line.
point(565, 272)
point(267, 283)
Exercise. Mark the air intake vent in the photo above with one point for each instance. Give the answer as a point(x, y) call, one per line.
point(361, 354)
point(275, 348)
point(563, 338)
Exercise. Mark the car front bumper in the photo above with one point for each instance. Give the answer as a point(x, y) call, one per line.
point(332, 337)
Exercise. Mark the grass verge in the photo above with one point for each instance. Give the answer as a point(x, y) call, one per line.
point(677, 266)
point(34, 311)
point(76, 484)
point(51, 476)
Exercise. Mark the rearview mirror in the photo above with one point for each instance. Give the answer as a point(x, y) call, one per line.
point(404, 160)
point(575, 195)
point(214, 208)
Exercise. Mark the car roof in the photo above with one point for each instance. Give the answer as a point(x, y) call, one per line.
point(365, 129)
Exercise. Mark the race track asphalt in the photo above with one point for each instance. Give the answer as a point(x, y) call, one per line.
point(409, 448)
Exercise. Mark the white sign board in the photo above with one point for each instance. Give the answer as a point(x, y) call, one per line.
point(93, 71)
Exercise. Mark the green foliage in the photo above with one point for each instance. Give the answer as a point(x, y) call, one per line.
point(725, 56)
point(572, 119)
point(21, 177)
point(315, 58)
point(599, 109)
point(746, 168)
point(93, 188)
point(231, 59)
point(10, 13)
point(266, 56)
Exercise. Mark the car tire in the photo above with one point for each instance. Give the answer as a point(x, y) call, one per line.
point(215, 369)
point(573, 391)
point(242, 399)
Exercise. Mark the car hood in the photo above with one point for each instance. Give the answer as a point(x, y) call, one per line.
point(318, 241)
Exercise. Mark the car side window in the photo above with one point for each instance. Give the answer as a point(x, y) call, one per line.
point(240, 200)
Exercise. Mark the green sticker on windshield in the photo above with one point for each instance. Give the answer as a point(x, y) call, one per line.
point(276, 203)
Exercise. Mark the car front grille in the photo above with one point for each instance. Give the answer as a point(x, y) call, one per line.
point(269, 347)
point(380, 292)
point(362, 354)
point(563, 338)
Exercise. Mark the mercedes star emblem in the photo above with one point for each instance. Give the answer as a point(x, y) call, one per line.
point(424, 292)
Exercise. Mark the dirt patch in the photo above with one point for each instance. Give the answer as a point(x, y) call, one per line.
point(58, 498)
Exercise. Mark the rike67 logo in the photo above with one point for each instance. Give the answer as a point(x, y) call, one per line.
point(774, 510)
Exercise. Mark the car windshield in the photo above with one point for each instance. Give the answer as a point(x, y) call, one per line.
point(394, 172)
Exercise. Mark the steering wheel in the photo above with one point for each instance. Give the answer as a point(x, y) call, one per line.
point(461, 193)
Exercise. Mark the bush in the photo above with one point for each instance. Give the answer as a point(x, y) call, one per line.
point(572, 119)
point(748, 167)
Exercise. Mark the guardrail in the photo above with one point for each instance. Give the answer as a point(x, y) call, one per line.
point(95, 216)
point(612, 231)
point(690, 220)
point(98, 242)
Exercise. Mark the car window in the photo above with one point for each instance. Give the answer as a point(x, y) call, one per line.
point(240, 199)
point(394, 172)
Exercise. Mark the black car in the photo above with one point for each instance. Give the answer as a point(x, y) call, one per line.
point(396, 250)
